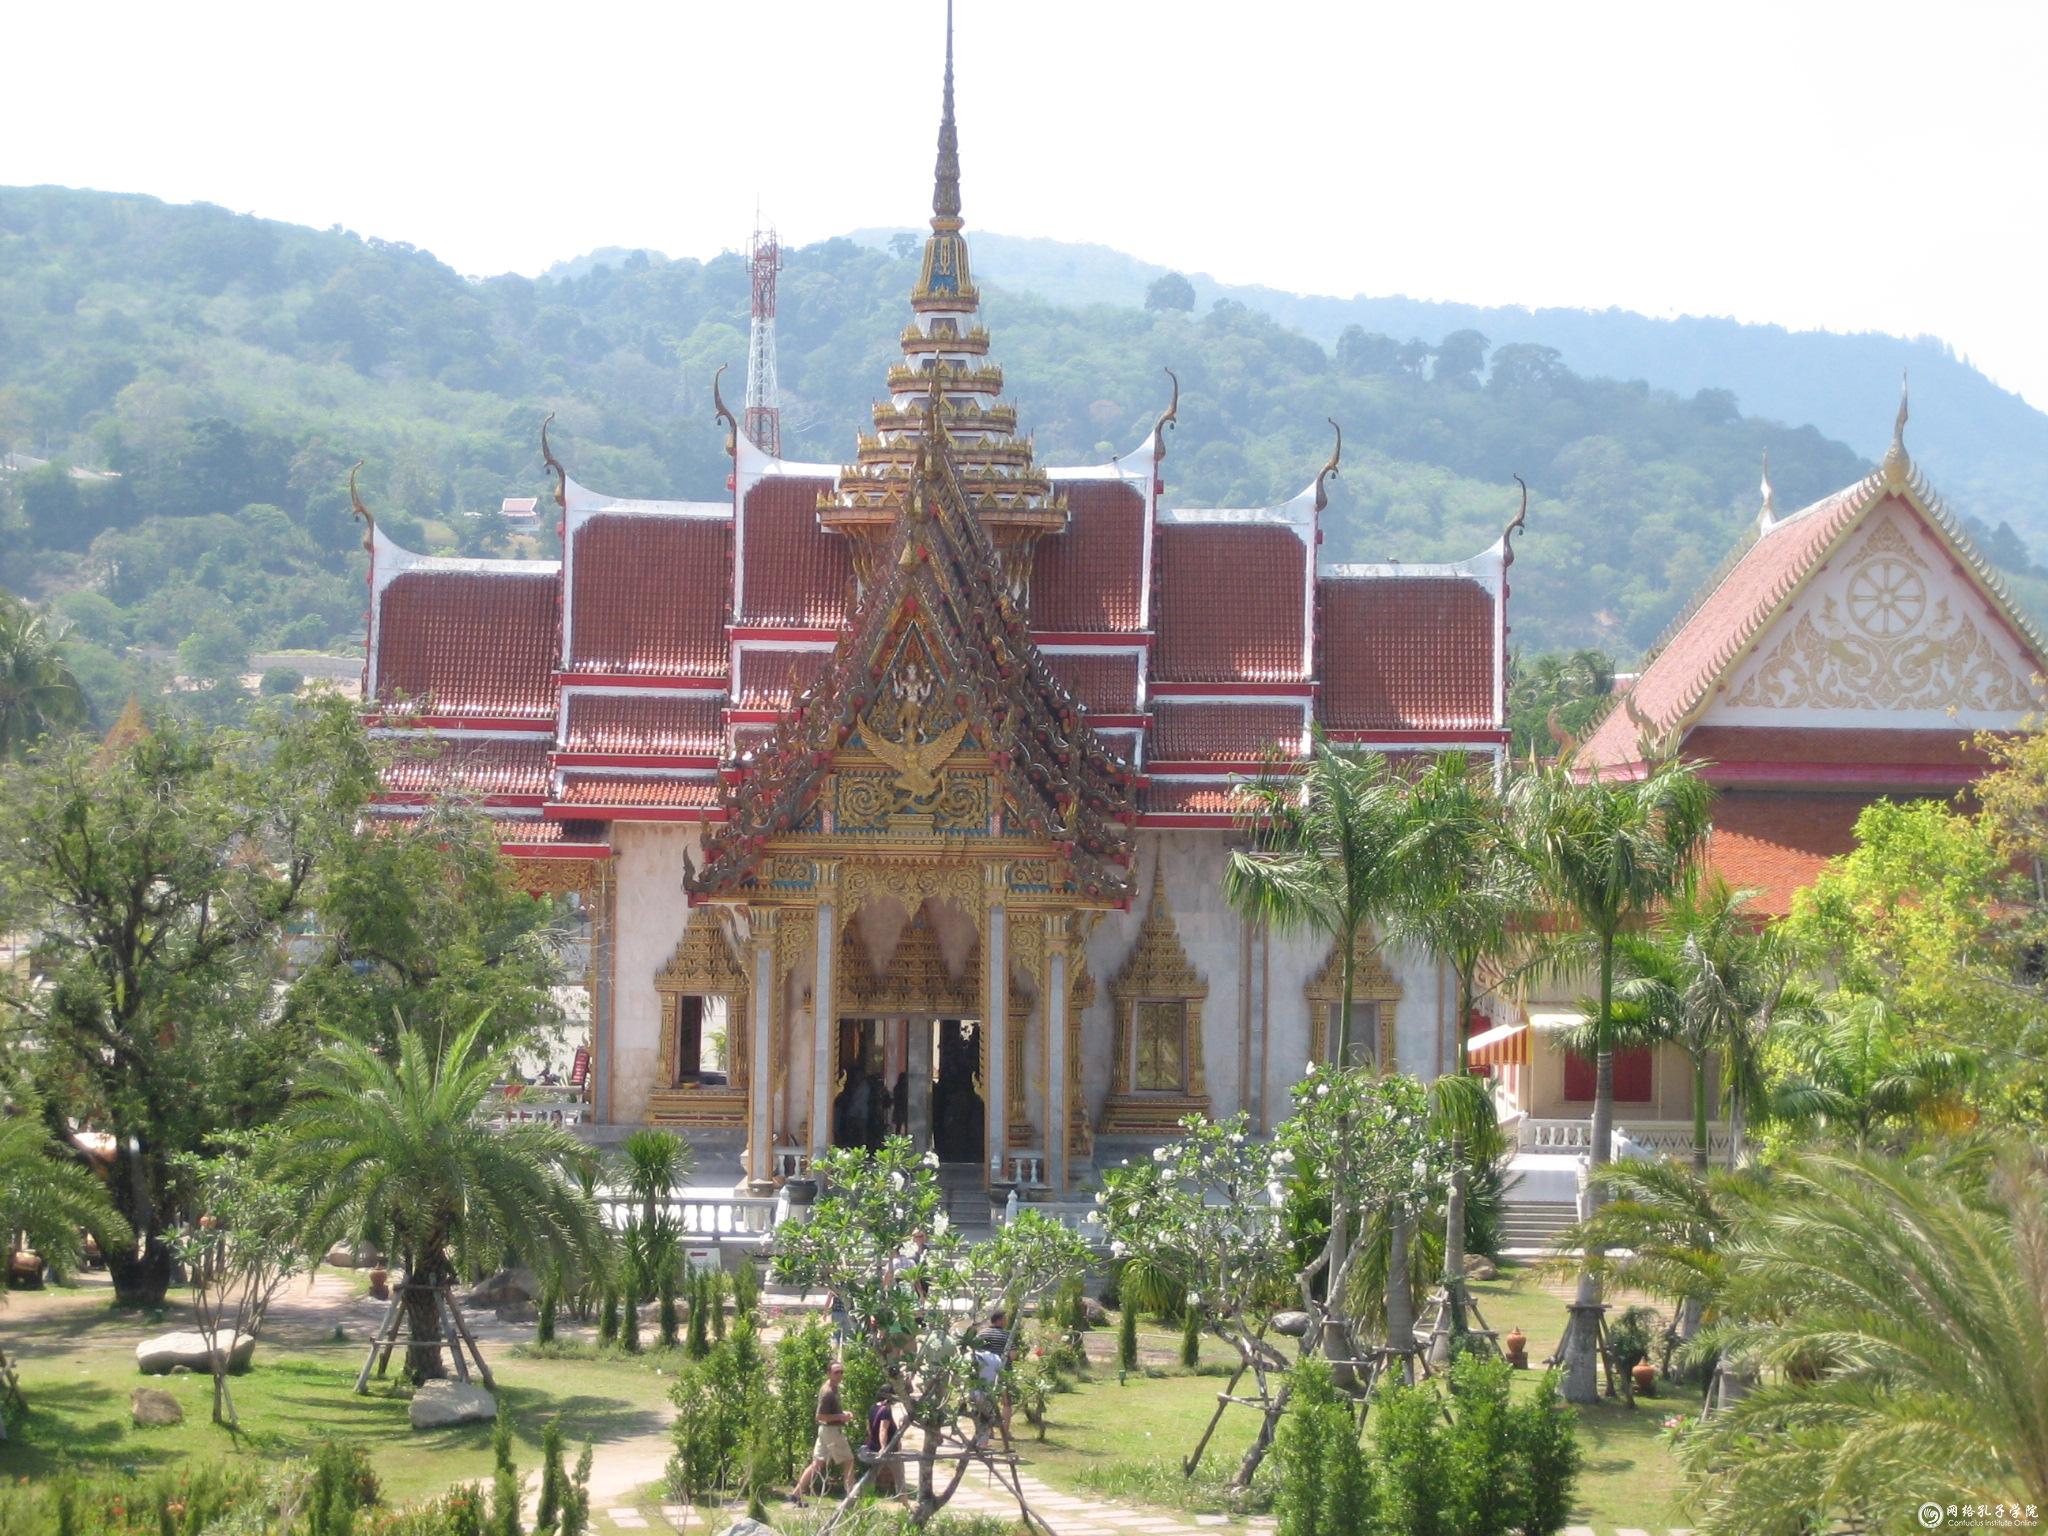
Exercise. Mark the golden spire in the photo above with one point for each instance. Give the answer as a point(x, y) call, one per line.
point(946, 175)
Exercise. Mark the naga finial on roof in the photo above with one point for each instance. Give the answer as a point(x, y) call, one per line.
point(1767, 513)
point(1897, 466)
point(724, 414)
point(1520, 524)
point(1170, 417)
point(356, 507)
point(547, 456)
point(1329, 469)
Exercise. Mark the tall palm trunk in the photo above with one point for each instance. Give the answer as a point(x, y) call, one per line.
point(1400, 1297)
point(1444, 1341)
point(1582, 1356)
point(1699, 1115)
point(423, 1320)
point(1337, 1345)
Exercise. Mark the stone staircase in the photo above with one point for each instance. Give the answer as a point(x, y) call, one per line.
point(965, 1196)
point(1527, 1226)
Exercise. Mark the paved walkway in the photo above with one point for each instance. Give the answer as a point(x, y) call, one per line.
point(980, 1494)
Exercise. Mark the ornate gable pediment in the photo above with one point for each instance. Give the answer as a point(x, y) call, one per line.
point(936, 706)
point(1888, 631)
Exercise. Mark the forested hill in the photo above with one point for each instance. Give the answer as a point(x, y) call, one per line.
point(228, 370)
point(1985, 446)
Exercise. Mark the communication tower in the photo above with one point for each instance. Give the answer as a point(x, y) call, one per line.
point(764, 399)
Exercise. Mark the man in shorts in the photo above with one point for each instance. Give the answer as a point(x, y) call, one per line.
point(831, 1444)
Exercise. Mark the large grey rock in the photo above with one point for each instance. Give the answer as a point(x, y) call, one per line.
point(352, 1256)
point(748, 1528)
point(1479, 1267)
point(161, 1355)
point(1094, 1313)
point(150, 1407)
point(517, 1309)
point(439, 1404)
point(493, 1291)
point(1291, 1325)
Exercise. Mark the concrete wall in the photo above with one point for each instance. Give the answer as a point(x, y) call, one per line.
point(651, 914)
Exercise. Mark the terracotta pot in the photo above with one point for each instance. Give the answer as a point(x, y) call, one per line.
point(1517, 1346)
point(1645, 1376)
point(380, 1284)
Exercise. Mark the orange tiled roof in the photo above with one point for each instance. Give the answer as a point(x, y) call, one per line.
point(660, 724)
point(599, 789)
point(793, 572)
point(1878, 749)
point(1181, 797)
point(648, 595)
point(1103, 685)
point(469, 765)
point(464, 642)
point(534, 830)
point(1408, 653)
point(1090, 577)
point(1230, 604)
point(765, 675)
point(1206, 732)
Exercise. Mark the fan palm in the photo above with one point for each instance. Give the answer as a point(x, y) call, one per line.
point(38, 694)
point(398, 1154)
point(1906, 1307)
point(46, 1201)
point(1607, 853)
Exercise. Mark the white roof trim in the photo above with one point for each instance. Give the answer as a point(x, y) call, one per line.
point(446, 733)
point(1484, 568)
point(393, 560)
point(1134, 466)
point(1298, 515)
point(753, 463)
point(580, 501)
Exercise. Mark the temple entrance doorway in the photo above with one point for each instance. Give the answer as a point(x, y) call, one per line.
point(915, 1077)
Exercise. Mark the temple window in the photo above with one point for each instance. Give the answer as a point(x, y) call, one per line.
point(702, 1029)
point(1161, 1063)
point(1374, 992)
point(701, 1076)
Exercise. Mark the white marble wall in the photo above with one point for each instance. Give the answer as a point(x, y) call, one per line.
point(651, 913)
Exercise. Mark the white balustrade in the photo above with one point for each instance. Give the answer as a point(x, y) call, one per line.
point(1672, 1137)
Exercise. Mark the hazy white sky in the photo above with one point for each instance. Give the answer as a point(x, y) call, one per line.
point(1857, 165)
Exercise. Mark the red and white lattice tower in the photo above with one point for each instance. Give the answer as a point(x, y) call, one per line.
point(764, 398)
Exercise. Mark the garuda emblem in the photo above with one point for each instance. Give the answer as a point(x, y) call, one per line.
point(915, 757)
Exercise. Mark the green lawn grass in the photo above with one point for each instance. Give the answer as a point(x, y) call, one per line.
point(1127, 1441)
point(77, 1367)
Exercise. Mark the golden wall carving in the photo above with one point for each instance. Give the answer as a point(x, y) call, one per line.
point(1158, 971)
point(703, 965)
point(1888, 641)
point(911, 883)
point(1371, 982)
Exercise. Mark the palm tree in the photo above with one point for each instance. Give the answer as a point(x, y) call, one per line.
point(1606, 852)
point(1464, 899)
point(46, 1200)
point(1905, 1308)
point(1855, 1071)
point(1326, 858)
point(399, 1155)
point(653, 1165)
point(38, 694)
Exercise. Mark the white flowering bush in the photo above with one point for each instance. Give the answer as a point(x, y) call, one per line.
point(920, 1312)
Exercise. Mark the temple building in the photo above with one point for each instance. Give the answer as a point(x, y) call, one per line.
point(1848, 652)
point(898, 792)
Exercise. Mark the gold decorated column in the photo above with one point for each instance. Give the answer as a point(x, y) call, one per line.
point(760, 1102)
point(1052, 1009)
point(995, 1004)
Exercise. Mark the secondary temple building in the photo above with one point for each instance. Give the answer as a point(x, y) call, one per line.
point(898, 792)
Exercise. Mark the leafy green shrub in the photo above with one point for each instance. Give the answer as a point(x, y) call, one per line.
point(719, 1400)
point(504, 1516)
point(801, 1358)
point(1127, 1336)
point(714, 1300)
point(1190, 1337)
point(700, 1322)
point(746, 1287)
point(1632, 1335)
point(1543, 1428)
point(181, 1503)
point(1410, 1474)
point(608, 1316)
point(1323, 1484)
point(1480, 1449)
point(342, 1484)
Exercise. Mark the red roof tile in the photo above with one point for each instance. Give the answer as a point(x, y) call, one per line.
point(1407, 653)
point(636, 790)
point(1775, 841)
point(793, 572)
point(1725, 622)
point(467, 765)
point(1836, 747)
point(648, 595)
point(470, 642)
point(1230, 604)
point(1103, 685)
point(765, 675)
point(1184, 733)
point(1090, 576)
point(1182, 797)
point(526, 830)
point(654, 723)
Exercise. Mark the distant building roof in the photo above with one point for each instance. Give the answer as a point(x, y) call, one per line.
point(519, 506)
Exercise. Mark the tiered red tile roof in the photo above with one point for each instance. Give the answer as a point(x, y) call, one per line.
point(1103, 684)
point(1775, 841)
point(1232, 604)
point(1090, 578)
point(492, 767)
point(794, 574)
point(1408, 653)
point(648, 724)
point(648, 595)
point(466, 642)
point(1224, 731)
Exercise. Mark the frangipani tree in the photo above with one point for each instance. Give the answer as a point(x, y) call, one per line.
point(1204, 1213)
point(919, 1311)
